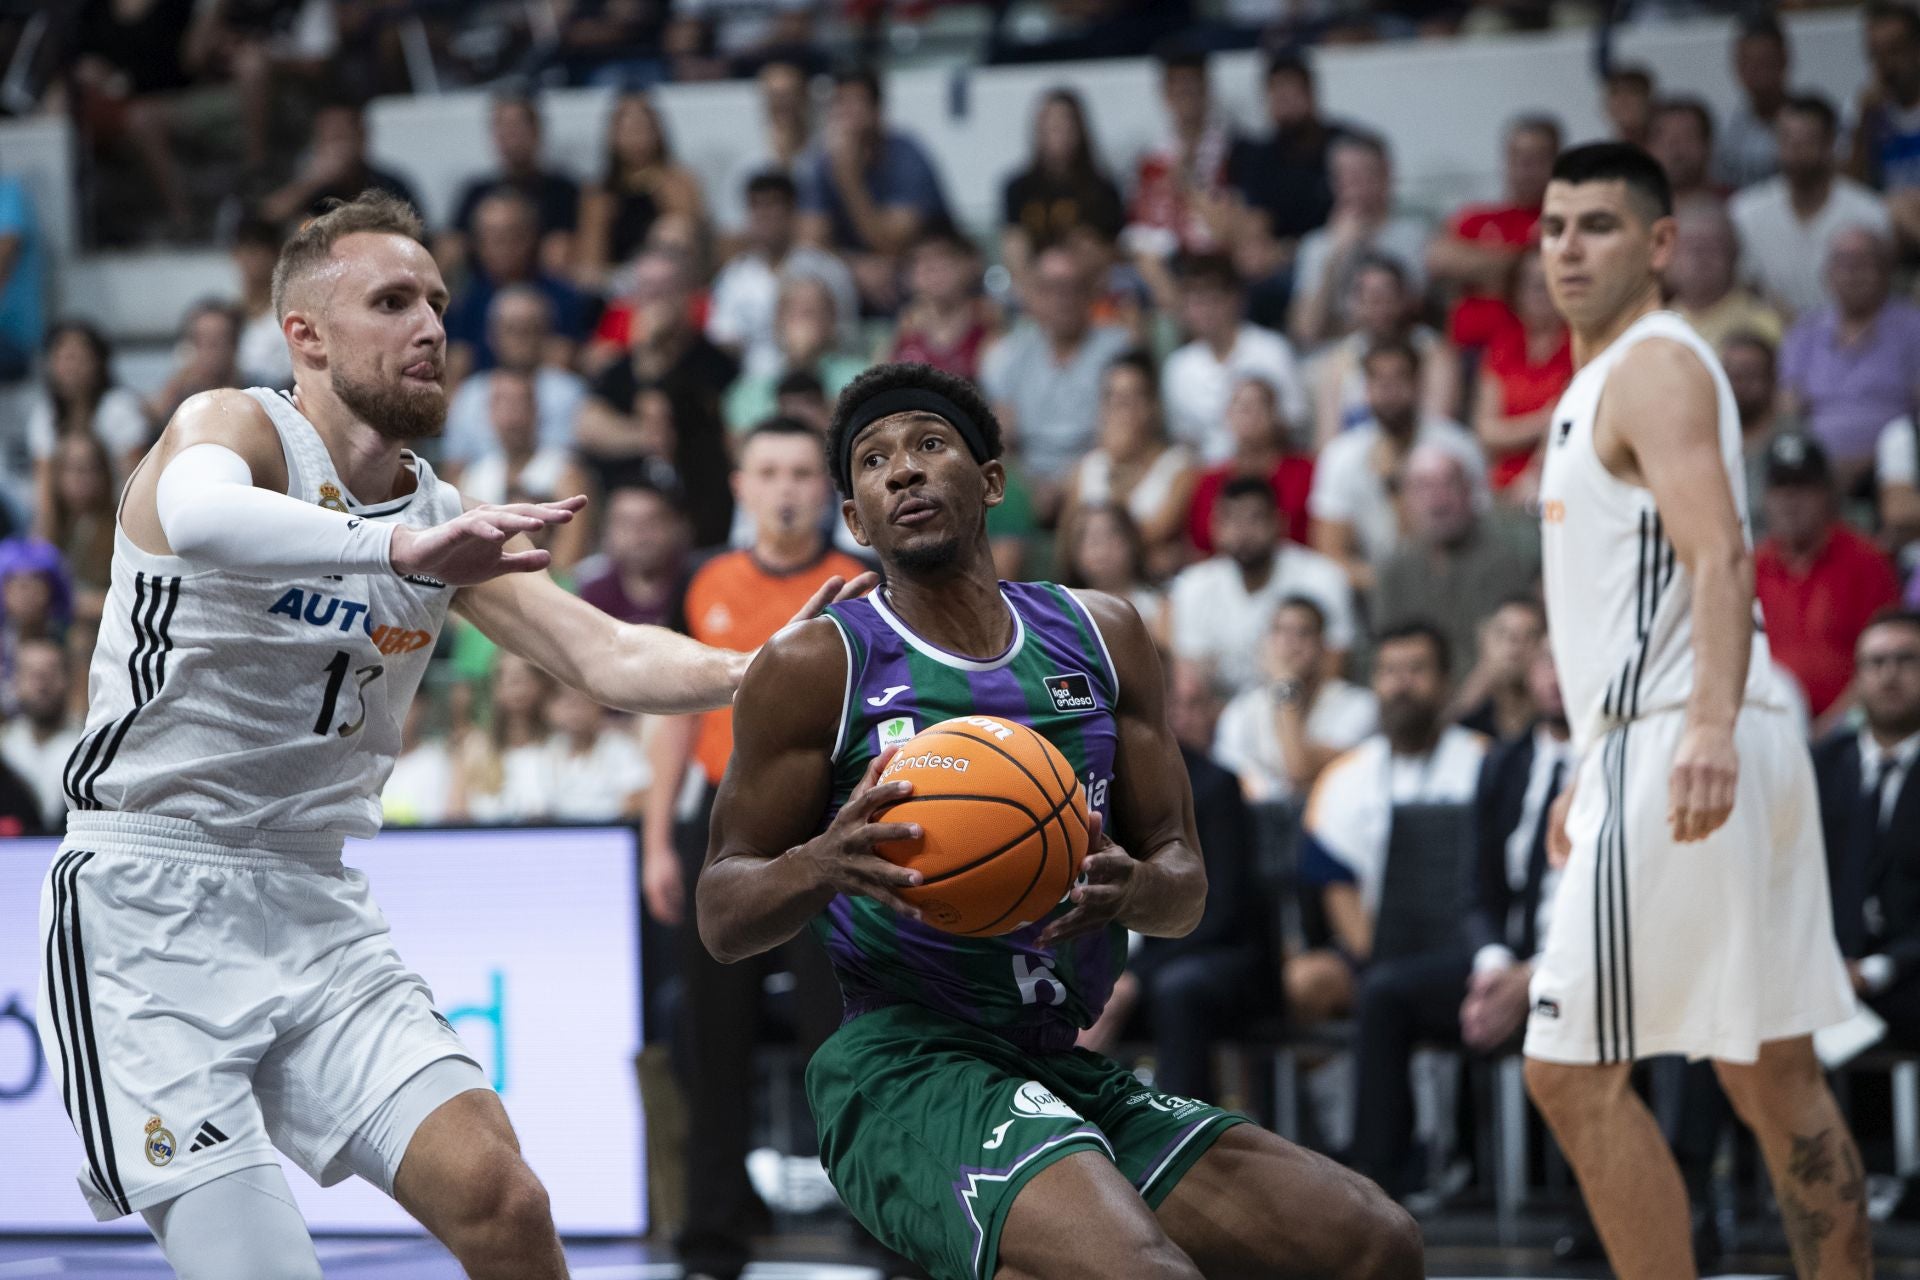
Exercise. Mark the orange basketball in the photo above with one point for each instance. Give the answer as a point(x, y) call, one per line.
point(1005, 822)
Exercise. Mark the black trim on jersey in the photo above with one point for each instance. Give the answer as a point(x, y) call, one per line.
point(78, 1007)
point(57, 1006)
point(1625, 994)
point(146, 674)
point(1653, 573)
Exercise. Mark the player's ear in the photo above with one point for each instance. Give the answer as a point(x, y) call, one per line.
point(851, 514)
point(1664, 233)
point(303, 337)
point(994, 472)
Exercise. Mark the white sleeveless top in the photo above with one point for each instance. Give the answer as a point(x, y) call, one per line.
point(258, 708)
point(1619, 604)
point(1149, 495)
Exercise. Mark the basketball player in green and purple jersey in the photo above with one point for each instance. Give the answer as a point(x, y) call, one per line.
point(957, 1119)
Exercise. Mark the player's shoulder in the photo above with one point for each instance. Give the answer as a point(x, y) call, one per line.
point(1119, 622)
point(798, 677)
point(225, 416)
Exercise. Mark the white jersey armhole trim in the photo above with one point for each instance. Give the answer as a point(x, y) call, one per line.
point(1600, 397)
point(846, 689)
point(1113, 672)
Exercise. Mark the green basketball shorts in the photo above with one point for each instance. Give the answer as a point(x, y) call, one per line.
point(929, 1128)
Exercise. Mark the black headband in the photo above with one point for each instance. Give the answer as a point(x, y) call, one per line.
point(906, 400)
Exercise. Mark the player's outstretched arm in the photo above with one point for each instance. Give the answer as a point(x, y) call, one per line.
point(770, 869)
point(1157, 883)
point(1661, 405)
point(630, 668)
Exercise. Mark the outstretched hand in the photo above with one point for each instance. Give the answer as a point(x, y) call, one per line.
point(471, 548)
point(833, 591)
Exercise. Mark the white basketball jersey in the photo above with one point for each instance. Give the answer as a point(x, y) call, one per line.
point(1619, 604)
point(240, 703)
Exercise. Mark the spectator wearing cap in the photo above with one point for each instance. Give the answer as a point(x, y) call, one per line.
point(1788, 223)
point(1748, 151)
point(747, 290)
point(1363, 225)
point(520, 331)
point(517, 133)
point(1852, 367)
point(1818, 582)
point(1198, 378)
point(1680, 137)
point(1451, 569)
point(1219, 607)
point(1357, 480)
point(1381, 306)
point(866, 191)
point(1703, 276)
point(1474, 254)
point(1751, 364)
point(335, 167)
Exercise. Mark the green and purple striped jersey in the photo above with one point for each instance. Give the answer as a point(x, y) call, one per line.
point(1056, 677)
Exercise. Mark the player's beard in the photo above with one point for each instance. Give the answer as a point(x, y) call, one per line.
point(398, 413)
point(929, 558)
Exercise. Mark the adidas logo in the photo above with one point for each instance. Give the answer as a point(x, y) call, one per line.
point(207, 1137)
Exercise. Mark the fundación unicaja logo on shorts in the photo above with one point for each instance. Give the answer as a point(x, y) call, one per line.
point(895, 731)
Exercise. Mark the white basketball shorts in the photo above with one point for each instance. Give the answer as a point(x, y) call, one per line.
point(205, 1004)
point(1707, 949)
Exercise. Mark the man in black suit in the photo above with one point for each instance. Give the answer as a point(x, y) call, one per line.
point(1870, 810)
point(1473, 993)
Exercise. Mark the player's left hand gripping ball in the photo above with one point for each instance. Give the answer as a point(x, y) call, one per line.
point(1102, 894)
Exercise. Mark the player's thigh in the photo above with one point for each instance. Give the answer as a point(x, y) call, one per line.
point(1256, 1204)
point(1080, 1216)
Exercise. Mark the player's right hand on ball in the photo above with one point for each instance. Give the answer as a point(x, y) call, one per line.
point(842, 856)
point(471, 548)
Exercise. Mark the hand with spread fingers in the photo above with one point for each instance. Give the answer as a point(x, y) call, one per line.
point(1701, 786)
point(1103, 892)
point(471, 548)
point(841, 858)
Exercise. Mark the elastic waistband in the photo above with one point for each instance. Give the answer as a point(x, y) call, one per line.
point(152, 835)
point(1612, 723)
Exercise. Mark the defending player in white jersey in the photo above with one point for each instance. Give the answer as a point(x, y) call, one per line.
point(218, 985)
point(1693, 913)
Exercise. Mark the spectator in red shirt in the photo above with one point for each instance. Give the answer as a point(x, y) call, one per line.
point(1260, 451)
point(1179, 192)
point(1818, 581)
point(1528, 363)
point(1475, 252)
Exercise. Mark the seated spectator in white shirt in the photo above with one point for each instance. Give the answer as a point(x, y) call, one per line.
point(1220, 606)
point(519, 469)
point(41, 735)
point(1199, 378)
point(1787, 223)
point(519, 327)
point(746, 293)
point(1278, 736)
point(1363, 225)
point(599, 770)
point(1416, 758)
point(1354, 504)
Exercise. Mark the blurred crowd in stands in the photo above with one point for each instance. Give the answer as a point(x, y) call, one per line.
point(1291, 418)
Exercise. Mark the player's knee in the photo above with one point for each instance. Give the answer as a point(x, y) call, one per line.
point(1564, 1093)
point(505, 1207)
point(1162, 1259)
point(1780, 1079)
point(1390, 1247)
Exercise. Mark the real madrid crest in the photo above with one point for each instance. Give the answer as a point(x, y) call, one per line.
point(159, 1143)
point(330, 498)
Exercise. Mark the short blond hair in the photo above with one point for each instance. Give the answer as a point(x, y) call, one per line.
point(312, 245)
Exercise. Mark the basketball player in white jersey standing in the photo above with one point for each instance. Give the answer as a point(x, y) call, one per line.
point(1693, 914)
point(218, 985)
